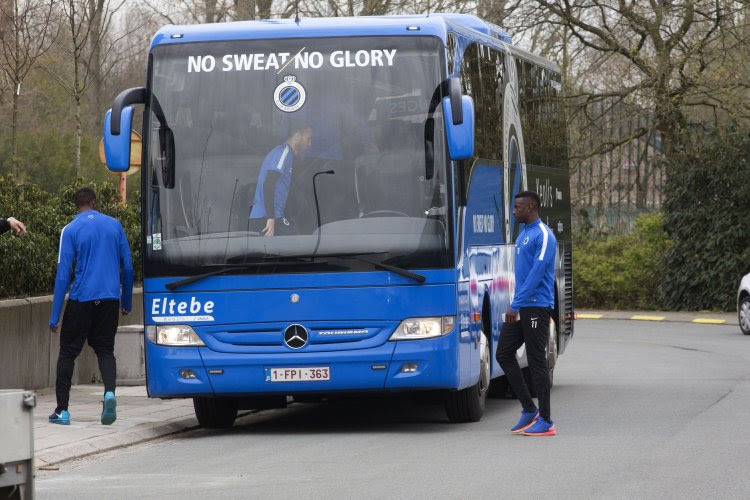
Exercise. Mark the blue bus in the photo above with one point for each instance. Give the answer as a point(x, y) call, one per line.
point(392, 263)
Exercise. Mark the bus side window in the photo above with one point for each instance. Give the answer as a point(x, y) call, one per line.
point(471, 86)
point(481, 76)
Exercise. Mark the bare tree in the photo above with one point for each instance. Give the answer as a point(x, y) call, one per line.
point(244, 10)
point(660, 53)
point(192, 11)
point(639, 78)
point(28, 31)
point(88, 48)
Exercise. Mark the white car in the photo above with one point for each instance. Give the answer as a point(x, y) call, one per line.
point(743, 304)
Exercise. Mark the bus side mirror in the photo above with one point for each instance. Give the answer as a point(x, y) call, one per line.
point(117, 147)
point(166, 156)
point(461, 134)
point(117, 124)
point(429, 148)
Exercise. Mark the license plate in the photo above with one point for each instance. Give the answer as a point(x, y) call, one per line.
point(306, 374)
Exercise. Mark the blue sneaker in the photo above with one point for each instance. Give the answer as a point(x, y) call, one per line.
point(109, 408)
point(62, 418)
point(541, 427)
point(527, 420)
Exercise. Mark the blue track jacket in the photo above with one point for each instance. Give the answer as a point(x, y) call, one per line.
point(535, 267)
point(280, 160)
point(99, 247)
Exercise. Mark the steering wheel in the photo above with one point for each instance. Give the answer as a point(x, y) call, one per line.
point(378, 213)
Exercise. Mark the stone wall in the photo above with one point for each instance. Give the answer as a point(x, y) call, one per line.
point(28, 350)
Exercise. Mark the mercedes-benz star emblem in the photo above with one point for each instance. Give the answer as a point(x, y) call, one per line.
point(296, 336)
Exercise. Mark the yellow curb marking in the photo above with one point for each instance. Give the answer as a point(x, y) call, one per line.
point(647, 318)
point(588, 316)
point(710, 321)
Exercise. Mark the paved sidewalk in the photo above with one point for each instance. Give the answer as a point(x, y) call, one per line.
point(138, 419)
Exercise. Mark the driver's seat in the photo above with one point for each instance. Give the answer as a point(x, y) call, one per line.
point(388, 184)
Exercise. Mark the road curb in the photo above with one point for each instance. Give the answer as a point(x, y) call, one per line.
point(98, 444)
point(73, 451)
point(718, 319)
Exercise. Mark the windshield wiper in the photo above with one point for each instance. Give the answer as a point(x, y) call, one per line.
point(361, 257)
point(192, 279)
point(297, 259)
point(394, 269)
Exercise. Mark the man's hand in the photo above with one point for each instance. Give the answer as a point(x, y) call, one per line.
point(124, 312)
point(53, 329)
point(511, 316)
point(268, 231)
point(17, 226)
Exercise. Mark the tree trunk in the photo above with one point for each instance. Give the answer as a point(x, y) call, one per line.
point(264, 8)
point(14, 135)
point(16, 93)
point(79, 132)
point(492, 10)
point(244, 10)
point(210, 6)
point(96, 10)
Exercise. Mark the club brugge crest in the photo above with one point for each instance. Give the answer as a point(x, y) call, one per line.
point(289, 96)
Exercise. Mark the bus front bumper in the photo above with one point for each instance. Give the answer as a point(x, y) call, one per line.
point(401, 365)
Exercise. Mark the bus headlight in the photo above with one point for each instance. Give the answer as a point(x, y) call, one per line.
point(177, 335)
point(423, 328)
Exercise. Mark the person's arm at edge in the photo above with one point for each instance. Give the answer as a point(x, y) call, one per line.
point(269, 192)
point(62, 278)
point(536, 273)
point(126, 264)
point(16, 225)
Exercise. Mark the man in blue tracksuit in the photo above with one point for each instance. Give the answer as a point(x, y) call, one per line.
point(527, 320)
point(102, 288)
point(274, 181)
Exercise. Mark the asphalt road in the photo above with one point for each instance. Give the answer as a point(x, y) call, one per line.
point(643, 410)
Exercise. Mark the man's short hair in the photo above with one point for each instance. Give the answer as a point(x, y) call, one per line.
point(84, 197)
point(536, 202)
point(298, 127)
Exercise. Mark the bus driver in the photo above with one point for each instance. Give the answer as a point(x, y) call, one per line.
point(274, 181)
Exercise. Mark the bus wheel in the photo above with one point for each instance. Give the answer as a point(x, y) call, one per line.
point(215, 413)
point(551, 351)
point(499, 388)
point(467, 405)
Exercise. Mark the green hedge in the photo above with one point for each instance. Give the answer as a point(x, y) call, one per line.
point(622, 271)
point(28, 265)
point(707, 199)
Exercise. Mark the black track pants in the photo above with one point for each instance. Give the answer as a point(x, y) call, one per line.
point(93, 321)
point(532, 329)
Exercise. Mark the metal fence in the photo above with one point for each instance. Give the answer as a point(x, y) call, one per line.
point(614, 176)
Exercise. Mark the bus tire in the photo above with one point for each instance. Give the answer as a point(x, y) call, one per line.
point(467, 405)
point(550, 352)
point(215, 413)
point(499, 388)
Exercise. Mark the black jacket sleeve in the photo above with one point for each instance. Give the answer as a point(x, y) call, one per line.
point(269, 191)
point(4, 225)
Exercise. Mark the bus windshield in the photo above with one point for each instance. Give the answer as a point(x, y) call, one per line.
point(332, 135)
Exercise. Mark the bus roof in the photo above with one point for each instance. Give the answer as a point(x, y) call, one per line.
point(438, 25)
point(429, 24)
